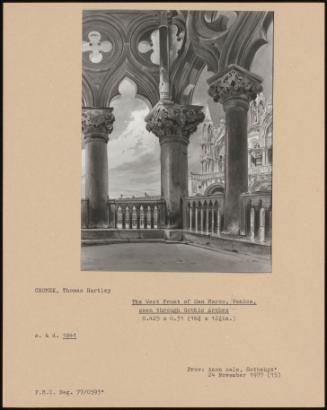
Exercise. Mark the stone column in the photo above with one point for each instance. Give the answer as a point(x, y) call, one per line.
point(235, 87)
point(196, 218)
point(191, 216)
point(173, 124)
point(201, 220)
point(218, 222)
point(96, 127)
point(252, 222)
point(262, 217)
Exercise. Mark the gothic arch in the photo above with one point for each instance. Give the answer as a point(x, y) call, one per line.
point(185, 74)
point(116, 94)
point(213, 189)
point(245, 37)
point(214, 44)
point(124, 29)
point(146, 88)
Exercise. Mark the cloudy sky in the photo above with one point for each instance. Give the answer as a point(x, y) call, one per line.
point(134, 153)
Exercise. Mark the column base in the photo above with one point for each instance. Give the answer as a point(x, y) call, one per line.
point(98, 218)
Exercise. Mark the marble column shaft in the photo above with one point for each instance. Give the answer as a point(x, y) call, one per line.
point(235, 87)
point(173, 124)
point(96, 127)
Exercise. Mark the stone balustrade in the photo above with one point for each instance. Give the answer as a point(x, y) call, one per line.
point(256, 216)
point(204, 214)
point(132, 213)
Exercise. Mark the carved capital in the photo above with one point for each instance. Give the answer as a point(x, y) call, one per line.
point(234, 83)
point(97, 123)
point(171, 122)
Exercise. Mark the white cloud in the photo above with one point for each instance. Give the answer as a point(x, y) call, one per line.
point(134, 157)
point(133, 141)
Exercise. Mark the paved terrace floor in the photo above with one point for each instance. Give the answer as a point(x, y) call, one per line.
point(166, 257)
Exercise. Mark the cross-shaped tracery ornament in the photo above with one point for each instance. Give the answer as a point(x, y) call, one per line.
point(96, 47)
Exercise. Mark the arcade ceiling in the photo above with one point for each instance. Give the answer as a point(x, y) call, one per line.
point(119, 44)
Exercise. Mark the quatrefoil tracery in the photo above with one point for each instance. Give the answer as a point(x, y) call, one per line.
point(96, 47)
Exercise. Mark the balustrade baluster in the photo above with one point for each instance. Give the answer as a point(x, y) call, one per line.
point(155, 217)
point(148, 217)
point(141, 217)
point(123, 218)
point(196, 218)
point(262, 216)
point(119, 218)
point(252, 221)
point(201, 220)
point(218, 222)
point(134, 218)
point(127, 218)
point(137, 217)
point(207, 220)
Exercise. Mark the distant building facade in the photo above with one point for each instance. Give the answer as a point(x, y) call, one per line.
point(211, 178)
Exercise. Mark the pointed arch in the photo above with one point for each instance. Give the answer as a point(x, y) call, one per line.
point(244, 39)
point(146, 88)
point(213, 189)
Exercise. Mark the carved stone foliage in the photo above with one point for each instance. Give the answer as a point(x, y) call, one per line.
point(235, 82)
point(173, 121)
point(97, 123)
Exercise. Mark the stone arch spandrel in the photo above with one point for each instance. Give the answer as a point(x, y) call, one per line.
point(245, 37)
point(88, 94)
point(204, 41)
point(185, 74)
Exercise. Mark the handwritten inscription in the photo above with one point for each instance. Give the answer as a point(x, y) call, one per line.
point(56, 336)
